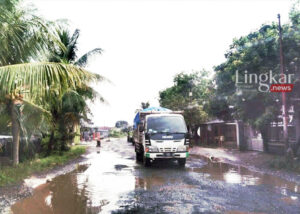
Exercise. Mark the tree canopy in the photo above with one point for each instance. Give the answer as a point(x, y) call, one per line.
point(189, 93)
point(28, 83)
point(255, 53)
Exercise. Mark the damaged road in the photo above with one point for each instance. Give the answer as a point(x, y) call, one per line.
point(111, 181)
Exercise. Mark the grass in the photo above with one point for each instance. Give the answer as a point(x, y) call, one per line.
point(117, 134)
point(13, 175)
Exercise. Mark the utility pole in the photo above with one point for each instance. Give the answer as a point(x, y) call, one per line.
point(284, 109)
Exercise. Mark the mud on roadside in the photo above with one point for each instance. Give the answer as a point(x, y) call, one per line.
point(10, 194)
point(253, 161)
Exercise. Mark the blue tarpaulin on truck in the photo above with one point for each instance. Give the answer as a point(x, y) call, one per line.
point(137, 116)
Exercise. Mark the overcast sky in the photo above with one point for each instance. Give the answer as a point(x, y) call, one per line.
point(146, 43)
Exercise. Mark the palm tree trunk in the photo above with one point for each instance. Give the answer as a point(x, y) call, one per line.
point(50, 143)
point(76, 138)
point(15, 132)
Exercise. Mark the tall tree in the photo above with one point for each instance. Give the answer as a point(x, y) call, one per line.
point(24, 37)
point(189, 93)
point(69, 54)
point(256, 53)
point(72, 106)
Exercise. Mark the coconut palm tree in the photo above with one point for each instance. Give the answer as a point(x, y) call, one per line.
point(25, 37)
point(72, 106)
point(69, 54)
point(35, 81)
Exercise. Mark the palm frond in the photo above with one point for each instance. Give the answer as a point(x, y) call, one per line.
point(38, 79)
point(36, 107)
point(34, 119)
point(83, 60)
point(25, 36)
point(74, 38)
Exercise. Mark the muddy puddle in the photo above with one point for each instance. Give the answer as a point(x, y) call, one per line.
point(240, 175)
point(149, 182)
point(98, 186)
point(91, 188)
point(64, 194)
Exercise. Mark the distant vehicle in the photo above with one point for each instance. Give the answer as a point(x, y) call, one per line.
point(129, 130)
point(104, 133)
point(121, 124)
point(160, 133)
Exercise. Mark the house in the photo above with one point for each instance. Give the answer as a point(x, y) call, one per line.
point(210, 133)
point(232, 134)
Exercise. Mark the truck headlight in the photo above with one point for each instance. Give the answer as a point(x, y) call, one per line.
point(152, 149)
point(181, 149)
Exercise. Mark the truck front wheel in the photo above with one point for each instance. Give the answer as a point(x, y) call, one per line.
point(146, 161)
point(139, 156)
point(182, 162)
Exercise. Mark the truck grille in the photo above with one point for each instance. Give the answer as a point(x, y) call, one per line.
point(167, 149)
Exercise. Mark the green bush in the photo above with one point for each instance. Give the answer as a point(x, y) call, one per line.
point(11, 175)
point(116, 133)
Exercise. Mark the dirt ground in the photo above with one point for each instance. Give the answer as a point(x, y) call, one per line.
point(215, 180)
point(10, 194)
point(112, 181)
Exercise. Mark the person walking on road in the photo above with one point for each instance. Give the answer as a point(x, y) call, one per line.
point(98, 139)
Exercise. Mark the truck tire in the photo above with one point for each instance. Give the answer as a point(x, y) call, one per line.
point(146, 161)
point(139, 157)
point(182, 162)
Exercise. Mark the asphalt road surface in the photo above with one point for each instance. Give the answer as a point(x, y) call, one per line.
point(111, 181)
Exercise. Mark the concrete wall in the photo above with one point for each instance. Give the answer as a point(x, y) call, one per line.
point(253, 139)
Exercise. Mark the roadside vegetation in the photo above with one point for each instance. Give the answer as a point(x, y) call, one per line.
point(258, 53)
point(191, 92)
point(117, 133)
point(44, 89)
point(215, 94)
point(12, 175)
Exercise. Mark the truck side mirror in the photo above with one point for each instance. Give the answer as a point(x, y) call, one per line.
point(188, 135)
point(187, 139)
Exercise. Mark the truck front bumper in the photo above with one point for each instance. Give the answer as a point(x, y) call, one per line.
point(167, 155)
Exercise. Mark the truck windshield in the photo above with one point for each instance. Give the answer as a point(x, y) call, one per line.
point(166, 124)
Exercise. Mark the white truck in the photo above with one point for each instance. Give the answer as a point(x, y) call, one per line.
point(160, 135)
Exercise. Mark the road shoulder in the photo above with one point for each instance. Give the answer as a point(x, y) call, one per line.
point(12, 193)
point(252, 160)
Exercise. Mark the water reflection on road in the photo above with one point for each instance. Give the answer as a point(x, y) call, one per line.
point(91, 188)
point(241, 175)
point(111, 180)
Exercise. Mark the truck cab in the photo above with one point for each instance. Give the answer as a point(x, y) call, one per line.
point(161, 135)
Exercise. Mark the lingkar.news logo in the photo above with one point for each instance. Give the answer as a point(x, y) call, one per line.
point(266, 82)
